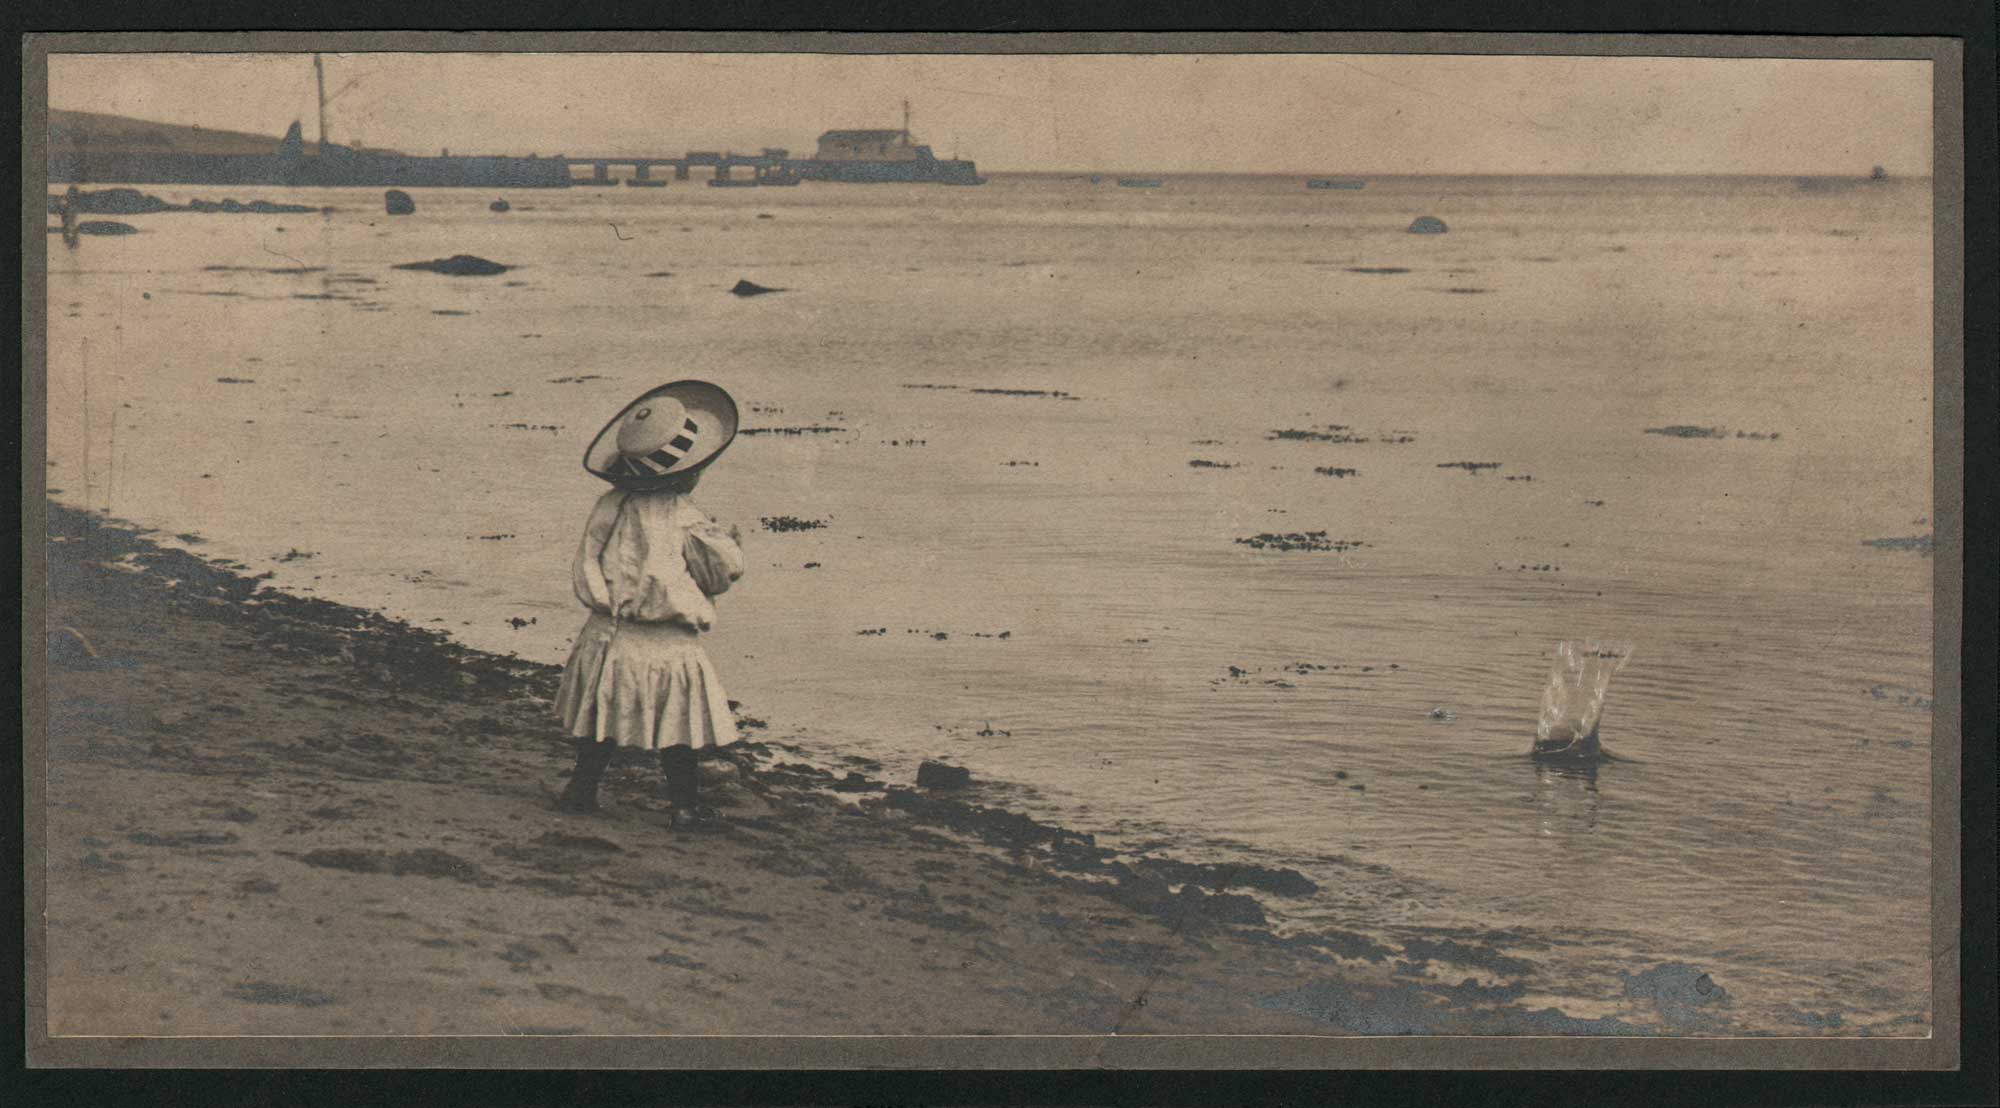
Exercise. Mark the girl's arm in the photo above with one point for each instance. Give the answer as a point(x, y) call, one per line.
point(587, 573)
point(714, 559)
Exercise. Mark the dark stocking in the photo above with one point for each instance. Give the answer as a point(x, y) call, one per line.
point(591, 757)
point(677, 762)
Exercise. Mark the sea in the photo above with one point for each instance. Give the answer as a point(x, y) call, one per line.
point(1225, 520)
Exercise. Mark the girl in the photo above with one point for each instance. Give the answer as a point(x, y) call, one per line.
point(649, 563)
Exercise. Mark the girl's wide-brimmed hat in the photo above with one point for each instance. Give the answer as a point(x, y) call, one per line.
point(670, 432)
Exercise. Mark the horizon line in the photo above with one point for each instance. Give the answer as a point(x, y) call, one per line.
point(1102, 172)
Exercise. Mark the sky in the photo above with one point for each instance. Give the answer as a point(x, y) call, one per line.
point(1182, 113)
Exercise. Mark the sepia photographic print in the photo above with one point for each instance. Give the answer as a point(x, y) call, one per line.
point(714, 551)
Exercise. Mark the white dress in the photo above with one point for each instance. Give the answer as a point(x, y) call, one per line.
point(647, 567)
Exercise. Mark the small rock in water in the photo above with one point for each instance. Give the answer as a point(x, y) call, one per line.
point(1920, 543)
point(1686, 431)
point(458, 265)
point(499, 206)
point(749, 288)
point(791, 523)
point(1428, 225)
point(398, 202)
point(1308, 540)
point(937, 775)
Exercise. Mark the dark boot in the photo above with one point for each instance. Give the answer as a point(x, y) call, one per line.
point(678, 764)
point(580, 795)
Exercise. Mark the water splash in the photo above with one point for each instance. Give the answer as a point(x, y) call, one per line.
point(1573, 700)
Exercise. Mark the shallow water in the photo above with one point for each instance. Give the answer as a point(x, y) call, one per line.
point(1767, 818)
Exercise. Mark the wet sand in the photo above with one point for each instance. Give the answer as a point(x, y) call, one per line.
point(271, 814)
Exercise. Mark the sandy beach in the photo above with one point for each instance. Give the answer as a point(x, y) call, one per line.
point(272, 815)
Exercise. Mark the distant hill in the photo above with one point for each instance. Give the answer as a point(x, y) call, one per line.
point(68, 130)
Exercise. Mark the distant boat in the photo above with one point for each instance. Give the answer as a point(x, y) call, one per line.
point(1878, 174)
point(1330, 183)
point(1137, 183)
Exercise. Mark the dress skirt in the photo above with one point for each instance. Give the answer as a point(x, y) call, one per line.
point(648, 685)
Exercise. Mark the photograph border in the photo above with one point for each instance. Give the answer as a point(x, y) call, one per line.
point(1938, 1051)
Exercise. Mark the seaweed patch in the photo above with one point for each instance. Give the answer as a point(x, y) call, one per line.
point(1299, 541)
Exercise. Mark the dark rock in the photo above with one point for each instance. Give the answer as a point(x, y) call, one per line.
point(1221, 907)
point(264, 992)
point(937, 775)
point(398, 202)
point(116, 202)
point(1334, 433)
point(499, 206)
point(1677, 989)
point(1428, 225)
point(1922, 544)
point(1052, 394)
point(748, 288)
point(1299, 541)
point(458, 265)
point(1686, 431)
point(1218, 876)
point(791, 523)
point(227, 206)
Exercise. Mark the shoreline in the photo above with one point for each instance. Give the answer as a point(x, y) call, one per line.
point(276, 813)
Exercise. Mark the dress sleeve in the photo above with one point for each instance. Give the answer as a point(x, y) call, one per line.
point(713, 558)
point(587, 573)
